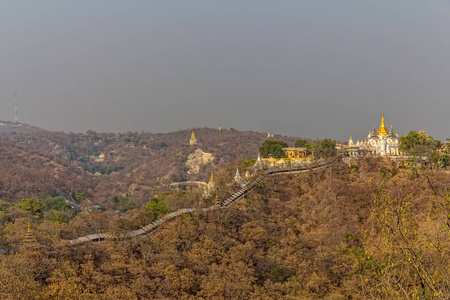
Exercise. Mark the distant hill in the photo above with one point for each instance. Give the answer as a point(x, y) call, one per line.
point(8, 126)
point(135, 164)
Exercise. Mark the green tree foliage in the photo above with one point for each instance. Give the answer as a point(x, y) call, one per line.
point(272, 147)
point(300, 143)
point(124, 204)
point(55, 203)
point(31, 205)
point(248, 163)
point(439, 159)
point(59, 216)
point(418, 143)
point(323, 148)
point(445, 160)
point(57, 209)
point(81, 197)
point(156, 205)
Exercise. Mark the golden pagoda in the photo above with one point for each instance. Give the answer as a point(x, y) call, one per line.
point(193, 140)
point(210, 187)
point(382, 130)
point(29, 237)
point(217, 202)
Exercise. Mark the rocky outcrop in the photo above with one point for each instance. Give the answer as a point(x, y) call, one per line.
point(196, 160)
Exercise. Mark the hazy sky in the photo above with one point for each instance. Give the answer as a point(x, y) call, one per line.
point(306, 68)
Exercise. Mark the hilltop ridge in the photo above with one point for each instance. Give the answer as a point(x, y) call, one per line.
point(8, 126)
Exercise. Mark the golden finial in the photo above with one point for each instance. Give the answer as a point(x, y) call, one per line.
point(29, 227)
point(350, 138)
point(220, 127)
point(212, 178)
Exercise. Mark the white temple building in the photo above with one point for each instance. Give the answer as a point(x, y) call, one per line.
point(238, 180)
point(381, 142)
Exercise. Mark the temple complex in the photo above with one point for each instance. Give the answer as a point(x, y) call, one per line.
point(381, 142)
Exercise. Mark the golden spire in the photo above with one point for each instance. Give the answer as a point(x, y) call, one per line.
point(193, 140)
point(217, 201)
point(350, 138)
point(220, 127)
point(382, 130)
point(29, 238)
point(212, 178)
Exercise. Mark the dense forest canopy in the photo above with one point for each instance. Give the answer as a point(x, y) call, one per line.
point(368, 230)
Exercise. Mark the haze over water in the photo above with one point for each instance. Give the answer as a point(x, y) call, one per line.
point(302, 68)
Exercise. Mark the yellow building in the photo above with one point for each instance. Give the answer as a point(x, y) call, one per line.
point(295, 152)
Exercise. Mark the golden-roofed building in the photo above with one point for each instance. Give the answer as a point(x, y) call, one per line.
point(193, 140)
point(381, 142)
point(295, 152)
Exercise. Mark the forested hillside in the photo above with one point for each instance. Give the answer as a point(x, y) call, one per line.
point(136, 165)
point(366, 231)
